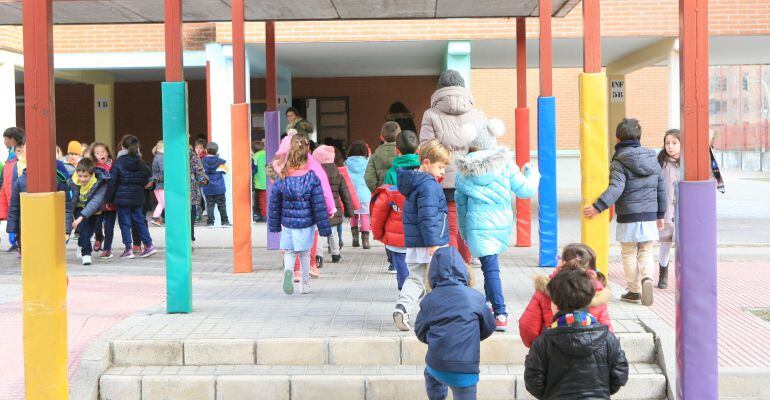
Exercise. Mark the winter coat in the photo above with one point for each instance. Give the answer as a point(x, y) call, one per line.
point(340, 192)
point(357, 168)
point(351, 189)
point(387, 216)
point(301, 126)
point(379, 164)
point(20, 186)
point(484, 185)
point(538, 315)
point(636, 186)
point(297, 201)
point(260, 177)
point(157, 171)
point(453, 318)
point(198, 179)
point(6, 187)
point(405, 121)
point(451, 108)
point(425, 216)
point(671, 173)
point(215, 175)
point(575, 361)
point(128, 177)
point(408, 161)
point(96, 197)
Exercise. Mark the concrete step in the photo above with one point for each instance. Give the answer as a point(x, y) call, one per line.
point(291, 382)
point(500, 349)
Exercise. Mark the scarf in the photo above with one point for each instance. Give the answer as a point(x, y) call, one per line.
point(576, 318)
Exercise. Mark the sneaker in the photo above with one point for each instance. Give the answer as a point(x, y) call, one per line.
point(128, 254)
point(87, 259)
point(106, 254)
point(501, 323)
point(97, 245)
point(631, 297)
point(296, 276)
point(314, 272)
point(401, 318)
point(391, 269)
point(136, 249)
point(288, 285)
point(337, 258)
point(647, 292)
point(319, 261)
point(148, 251)
point(12, 249)
point(156, 222)
point(304, 288)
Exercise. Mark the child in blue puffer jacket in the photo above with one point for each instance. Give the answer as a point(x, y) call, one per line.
point(296, 205)
point(485, 180)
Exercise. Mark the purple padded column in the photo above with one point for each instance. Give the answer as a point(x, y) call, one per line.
point(696, 291)
point(272, 140)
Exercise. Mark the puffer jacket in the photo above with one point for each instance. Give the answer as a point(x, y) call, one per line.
point(157, 171)
point(357, 168)
point(636, 186)
point(538, 315)
point(671, 173)
point(575, 361)
point(484, 185)
point(351, 188)
point(96, 197)
point(379, 164)
point(451, 108)
point(425, 216)
point(6, 187)
point(341, 193)
point(20, 186)
point(387, 216)
point(297, 201)
point(129, 176)
point(453, 319)
point(215, 175)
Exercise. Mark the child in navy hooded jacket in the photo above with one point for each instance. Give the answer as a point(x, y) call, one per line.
point(215, 168)
point(453, 320)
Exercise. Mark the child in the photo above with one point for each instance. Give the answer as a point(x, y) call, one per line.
point(198, 180)
point(296, 206)
point(640, 192)
point(453, 321)
point(485, 179)
point(339, 161)
point(200, 151)
point(382, 159)
point(260, 180)
point(577, 358)
point(100, 154)
point(216, 168)
point(388, 204)
point(89, 188)
point(358, 158)
point(325, 156)
point(12, 138)
point(157, 179)
point(74, 154)
point(538, 315)
point(426, 227)
point(668, 158)
point(129, 177)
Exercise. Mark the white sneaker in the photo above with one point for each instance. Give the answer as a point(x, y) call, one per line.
point(87, 260)
point(401, 318)
point(304, 288)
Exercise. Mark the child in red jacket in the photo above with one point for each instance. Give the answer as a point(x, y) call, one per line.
point(538, 315)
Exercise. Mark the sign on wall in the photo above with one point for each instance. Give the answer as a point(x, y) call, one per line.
point(617, 91)
point(102, 104)
point(283, 100)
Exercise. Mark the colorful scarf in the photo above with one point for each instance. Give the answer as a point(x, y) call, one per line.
point(577, 318)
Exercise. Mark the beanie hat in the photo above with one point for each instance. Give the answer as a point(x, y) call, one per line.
point(324, 154)
point(213, 147)
point(486, 136)
point(74, 147)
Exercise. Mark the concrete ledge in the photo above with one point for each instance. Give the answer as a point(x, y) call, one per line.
point(290, 351)
point(117, 387)
point(395, 387)
point(95, 360)
point(219, 352)
point(496, 387)
point(744, 383)
point(639, 347)
point(639, 387)
point(174, 387)
point(364, 351)
point(146, 352)
point(665, 351)
point(312, 387)
point(253, 387)
point(503, 349)
point(412, 351)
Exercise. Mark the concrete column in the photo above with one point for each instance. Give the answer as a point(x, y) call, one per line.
point(104, 114)
point(674, 105)
point(458, 58)
point(7, 101)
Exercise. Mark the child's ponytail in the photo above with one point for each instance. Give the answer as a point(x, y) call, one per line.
point(131, 144)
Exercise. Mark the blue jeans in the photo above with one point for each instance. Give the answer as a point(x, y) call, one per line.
point(106, 220)
point(437, 390)
point(133, 215)
point(402, 271)
point(86, 228)
point(493, 287)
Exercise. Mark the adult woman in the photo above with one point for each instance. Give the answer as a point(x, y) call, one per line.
point(296, 123)
point(401, 115)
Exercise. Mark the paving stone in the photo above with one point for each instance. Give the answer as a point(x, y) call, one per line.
point(219, 352)
point(364, 351)
point(744, 383)
point(178, 387)
point(395, 387)
point(291, 351)
point(146, 352)
point(253, 387)
point(327, 387)
point(119, 387)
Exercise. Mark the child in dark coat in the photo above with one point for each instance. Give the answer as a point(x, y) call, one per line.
point(453, 320)
point(216, 168)
point(342, 198)
point(89, 188)
point(577, 358)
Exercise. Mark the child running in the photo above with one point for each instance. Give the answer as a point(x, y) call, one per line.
point(296, 207)
point(358, 158)
point(89, 188)
point(668, 158)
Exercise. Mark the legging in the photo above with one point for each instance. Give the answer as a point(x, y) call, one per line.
point(160, 194)
point(361, 221)
point(665, 253)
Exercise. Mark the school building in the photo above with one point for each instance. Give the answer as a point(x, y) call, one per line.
point(344, 74)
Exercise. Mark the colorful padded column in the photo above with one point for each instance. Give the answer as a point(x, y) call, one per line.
point(594, 165)
point(44, 296)
point(547, 201)
point(242, 262)
point(177, 176)
point(523, 206)
point(272, 140)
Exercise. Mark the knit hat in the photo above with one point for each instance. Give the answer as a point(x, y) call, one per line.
point(324, 154)
point(486, 135)
point(74, 147)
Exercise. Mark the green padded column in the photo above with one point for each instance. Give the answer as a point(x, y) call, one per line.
point(177, 187)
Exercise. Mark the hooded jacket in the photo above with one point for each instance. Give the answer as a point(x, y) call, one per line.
point(351, 189)
point(451, 108)
point(379, 164)
point(405, 120)
point(484, 185)
point(297, 202)
point(671, 173)
point(6, 185)
point(425, 215)
point(340, 192)
point(573, 361)
point(215, 175)
point(128, 177)
point(453, 318)
point(636, 186)
point(407, 161)
point(96, 197)
point(357, 168)
point(20, 186)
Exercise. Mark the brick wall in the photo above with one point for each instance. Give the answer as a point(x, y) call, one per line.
point(10, 38)
point(126, 38)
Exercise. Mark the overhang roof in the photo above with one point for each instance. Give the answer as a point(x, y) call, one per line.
point(151, 11)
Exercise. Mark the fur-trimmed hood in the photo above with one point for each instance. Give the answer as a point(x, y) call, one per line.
point(483, 165)
point(601, 298)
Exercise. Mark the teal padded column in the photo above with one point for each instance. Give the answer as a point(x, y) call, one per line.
point(177, 184)
point(458, 58)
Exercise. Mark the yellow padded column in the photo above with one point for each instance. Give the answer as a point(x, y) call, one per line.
point(44, 288)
